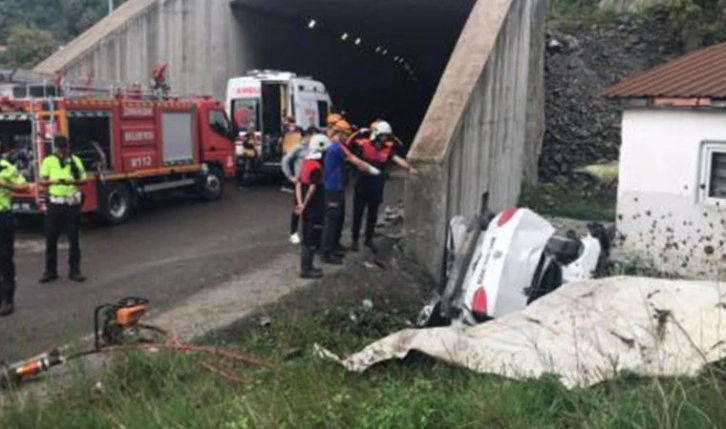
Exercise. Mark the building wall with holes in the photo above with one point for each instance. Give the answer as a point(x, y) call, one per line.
point(672, 190)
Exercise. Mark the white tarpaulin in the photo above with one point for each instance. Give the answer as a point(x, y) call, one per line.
point(585, 332)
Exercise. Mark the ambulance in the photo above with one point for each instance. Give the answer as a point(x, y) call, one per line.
point(259, 102)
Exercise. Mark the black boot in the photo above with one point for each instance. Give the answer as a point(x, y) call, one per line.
point(308, 271)
point(7, 301)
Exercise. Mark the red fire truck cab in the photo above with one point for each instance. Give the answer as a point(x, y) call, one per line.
point(131, 148)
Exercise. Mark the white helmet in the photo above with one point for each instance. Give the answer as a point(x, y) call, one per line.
point(319, 143)
point(382, 127)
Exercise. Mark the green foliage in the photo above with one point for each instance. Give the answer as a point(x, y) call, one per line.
point(63, 19)
point(571, 13)
point(701, 22)
point(28, 46)
point(576, 203)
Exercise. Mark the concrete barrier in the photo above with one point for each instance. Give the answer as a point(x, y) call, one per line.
point(483, 130)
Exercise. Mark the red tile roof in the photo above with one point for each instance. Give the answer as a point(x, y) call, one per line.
point(700, 74)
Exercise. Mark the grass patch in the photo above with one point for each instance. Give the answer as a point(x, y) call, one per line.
point(569, 14)
point(574, 203)
point(171, 391)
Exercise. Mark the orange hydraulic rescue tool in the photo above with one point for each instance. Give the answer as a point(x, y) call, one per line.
point(120, 319)
point(120, 325)
point(17, 373)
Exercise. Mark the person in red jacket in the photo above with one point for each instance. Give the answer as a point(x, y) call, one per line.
point(310, 196)
point(377, 150)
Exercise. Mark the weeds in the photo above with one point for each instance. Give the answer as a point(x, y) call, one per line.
point(165, 390)
point(574, 203)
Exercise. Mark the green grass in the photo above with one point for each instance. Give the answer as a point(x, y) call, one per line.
point(171, 391)
point(583, 204)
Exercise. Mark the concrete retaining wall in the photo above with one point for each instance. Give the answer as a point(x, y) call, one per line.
point(195, 37)
point(484, 128)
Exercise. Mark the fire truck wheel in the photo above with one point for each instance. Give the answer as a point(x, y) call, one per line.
point(213, 184)
point(117, 204)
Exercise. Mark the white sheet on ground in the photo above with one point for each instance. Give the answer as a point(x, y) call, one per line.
point(585, 332)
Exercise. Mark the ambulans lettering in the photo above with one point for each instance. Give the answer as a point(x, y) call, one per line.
point(248, 90)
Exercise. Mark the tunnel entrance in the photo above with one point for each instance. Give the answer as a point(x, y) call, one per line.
point(378, 58)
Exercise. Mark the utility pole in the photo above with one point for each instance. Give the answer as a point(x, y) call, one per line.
point(110, 7)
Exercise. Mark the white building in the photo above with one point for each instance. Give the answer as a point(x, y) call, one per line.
point(672, 185)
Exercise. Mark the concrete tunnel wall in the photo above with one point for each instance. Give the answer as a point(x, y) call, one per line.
point(484, 128)
point(195, 37)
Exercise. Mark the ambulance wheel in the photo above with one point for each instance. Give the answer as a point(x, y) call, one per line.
point(212, 184)
point(117, 204)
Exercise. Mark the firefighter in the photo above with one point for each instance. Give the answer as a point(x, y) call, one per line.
point(335, 182)
point(310, 198)
point(10, 181)
point(62, 174)
point(378, 151)
point(291, 165)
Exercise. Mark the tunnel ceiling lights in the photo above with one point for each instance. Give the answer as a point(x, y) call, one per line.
point(379, 50)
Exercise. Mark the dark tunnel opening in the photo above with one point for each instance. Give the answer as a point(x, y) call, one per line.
point(391, 73)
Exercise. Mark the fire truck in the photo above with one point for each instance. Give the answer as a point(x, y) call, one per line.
point(132, 146)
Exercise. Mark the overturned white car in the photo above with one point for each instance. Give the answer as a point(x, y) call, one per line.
point(500, 266)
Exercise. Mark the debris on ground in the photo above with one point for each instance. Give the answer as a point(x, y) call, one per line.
point(585, 332)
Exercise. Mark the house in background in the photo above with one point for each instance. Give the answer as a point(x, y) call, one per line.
point(672, 180)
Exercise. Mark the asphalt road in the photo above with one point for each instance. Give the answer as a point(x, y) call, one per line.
point(167, 253)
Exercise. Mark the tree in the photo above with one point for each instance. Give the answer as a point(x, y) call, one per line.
point(27, 46)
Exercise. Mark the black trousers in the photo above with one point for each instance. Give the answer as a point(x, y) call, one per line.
point(334, 216)
point(7, 257)
point(62, 216)
point(313, 219)
point(294, 218)
point(368, 197)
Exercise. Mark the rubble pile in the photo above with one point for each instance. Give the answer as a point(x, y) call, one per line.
point(581, 128)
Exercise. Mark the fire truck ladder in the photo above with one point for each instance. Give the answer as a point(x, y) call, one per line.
point(49, 121)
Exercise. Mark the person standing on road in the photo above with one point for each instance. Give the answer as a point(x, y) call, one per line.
point(291, 167)
point(10, 181)
point(62, 174)
point(378, 151)
point(310, 198)
point(334, 183)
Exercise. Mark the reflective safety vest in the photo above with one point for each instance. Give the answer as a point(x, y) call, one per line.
point(8, 174)
point(53, 169)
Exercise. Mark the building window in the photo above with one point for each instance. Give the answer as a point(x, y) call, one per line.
point(717, 182)
point(713, 172)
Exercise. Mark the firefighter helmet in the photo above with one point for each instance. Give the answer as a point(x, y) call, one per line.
point(343, 125)
point(382, 127)
point(333, 118)
point(319, 143)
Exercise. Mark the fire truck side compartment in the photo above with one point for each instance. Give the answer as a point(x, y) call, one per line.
point(177, 137)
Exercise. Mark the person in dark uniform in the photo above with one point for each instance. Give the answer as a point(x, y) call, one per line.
point(10, 181)
point(335, 180)
point(378, 151)
point(62, 174)
point(310, 197)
